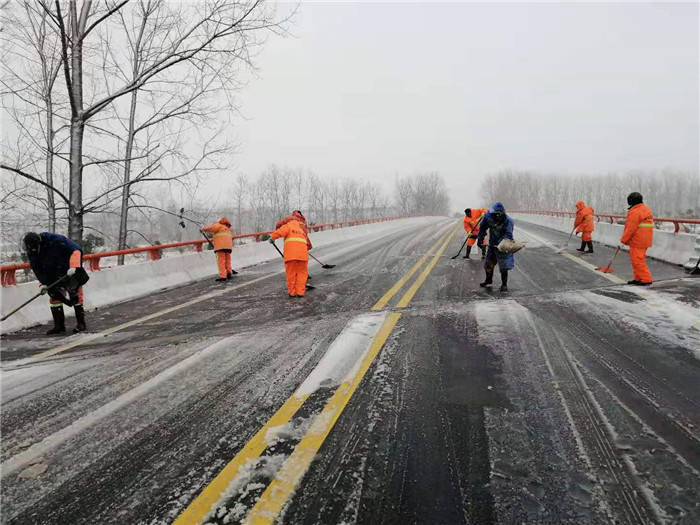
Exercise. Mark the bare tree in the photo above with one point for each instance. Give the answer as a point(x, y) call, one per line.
point(213, 28)
point(29, 77)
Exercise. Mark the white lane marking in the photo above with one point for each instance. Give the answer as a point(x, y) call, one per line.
point(587, 265)
point(91, 337)
point(57, 438)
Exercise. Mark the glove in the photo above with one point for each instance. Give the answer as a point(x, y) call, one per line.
point(43, 289)
point(71, 272)
point(271, 240)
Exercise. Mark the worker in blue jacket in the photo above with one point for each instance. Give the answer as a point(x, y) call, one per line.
point(57, 263)
point(498, 226)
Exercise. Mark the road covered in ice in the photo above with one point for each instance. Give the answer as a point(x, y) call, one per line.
point(396, 391)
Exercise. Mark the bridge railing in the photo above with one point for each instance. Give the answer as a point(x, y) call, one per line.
point(7, 272)
point(678, 224)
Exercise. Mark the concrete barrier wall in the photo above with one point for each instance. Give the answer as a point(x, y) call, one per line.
point(671, 247)
point(120, 283)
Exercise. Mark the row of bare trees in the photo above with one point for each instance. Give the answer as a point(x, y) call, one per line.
point(422, 194)
point(103, 99)
point(669, 193)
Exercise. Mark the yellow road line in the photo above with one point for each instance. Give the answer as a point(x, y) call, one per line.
point(424, 274)
point(91, 337)
point(200, 508)
point(399, 284)
point(278, 492)
point(204, 504)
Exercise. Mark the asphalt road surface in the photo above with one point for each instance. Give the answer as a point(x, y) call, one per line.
point(398, 391)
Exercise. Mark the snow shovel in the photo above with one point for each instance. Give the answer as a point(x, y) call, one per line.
point(42, 291)
point(324, 266)
point(567, 242)
point(308, 286)
point(696, 270)
point(608, 268)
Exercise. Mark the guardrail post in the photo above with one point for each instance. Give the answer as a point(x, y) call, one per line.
point(8, 278)
point(94, 264)
point(154, 254)
point(198, 247)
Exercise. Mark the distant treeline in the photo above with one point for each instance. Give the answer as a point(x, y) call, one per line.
point(669, 193)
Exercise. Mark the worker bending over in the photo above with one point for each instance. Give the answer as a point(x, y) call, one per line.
point(222, 238)
point(472, 223)
point(499, 226)
point(639, 236)
point(57, 263)
point(584, 225)
point(296, 254)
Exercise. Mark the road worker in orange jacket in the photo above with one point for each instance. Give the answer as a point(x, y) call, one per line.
point(295, 216)
point(639, 236)
point(296, 255)
point(472, 221)
point(222, 238)
point(584, 225)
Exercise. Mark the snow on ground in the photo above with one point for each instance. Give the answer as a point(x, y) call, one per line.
point(662, 316)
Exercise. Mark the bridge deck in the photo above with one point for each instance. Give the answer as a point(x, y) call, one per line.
point(571, 399)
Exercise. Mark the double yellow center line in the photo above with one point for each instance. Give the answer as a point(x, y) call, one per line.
point(280, 489)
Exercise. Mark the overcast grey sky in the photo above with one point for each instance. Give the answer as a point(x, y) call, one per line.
point(374, 89)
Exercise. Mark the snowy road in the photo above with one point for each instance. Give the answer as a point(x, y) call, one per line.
point(397, 391)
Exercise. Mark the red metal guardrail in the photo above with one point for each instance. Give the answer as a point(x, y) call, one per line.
point(677, 223)
point(7, 272)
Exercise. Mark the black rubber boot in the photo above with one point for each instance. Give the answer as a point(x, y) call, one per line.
point(221, 279)
point(488, 281)
point(504, 281)
point(229, 276)
point(469, 250)
point(590, 246)
point(79, 319)
point(483, 251)
point(59, 321)
point(583, 246)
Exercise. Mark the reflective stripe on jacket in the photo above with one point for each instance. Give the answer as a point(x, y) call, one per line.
point(639, 228)
point(296, 242)
point(222, 236)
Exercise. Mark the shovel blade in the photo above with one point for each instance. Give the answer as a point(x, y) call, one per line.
point(605, 269)
point(328, 266)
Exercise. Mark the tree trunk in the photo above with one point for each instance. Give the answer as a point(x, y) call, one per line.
point(77, 125)
point(124, 214)
point(50, 202)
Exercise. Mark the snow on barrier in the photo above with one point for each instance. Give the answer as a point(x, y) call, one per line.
point(668, 246)
point(131, 281)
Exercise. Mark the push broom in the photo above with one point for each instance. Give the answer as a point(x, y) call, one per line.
point(608, 268)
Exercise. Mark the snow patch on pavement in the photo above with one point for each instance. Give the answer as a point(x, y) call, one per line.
point(344, 357)
point(660, 315)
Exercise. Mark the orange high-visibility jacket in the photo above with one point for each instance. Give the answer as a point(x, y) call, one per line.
point(584, 218)
point(296, 242)
point(295, 216)
point(472, 223)
point(639, 228)
point(222, 234)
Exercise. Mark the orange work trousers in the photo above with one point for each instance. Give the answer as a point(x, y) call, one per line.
point(586, 236)
point(223, 260)
point(472, 240)
point(297, 274)
point(639, 264)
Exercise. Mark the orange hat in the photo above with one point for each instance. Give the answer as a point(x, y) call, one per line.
point(224, 221)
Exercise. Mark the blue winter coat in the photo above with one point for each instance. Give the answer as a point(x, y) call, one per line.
point(498, 232)
point(52, 262)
